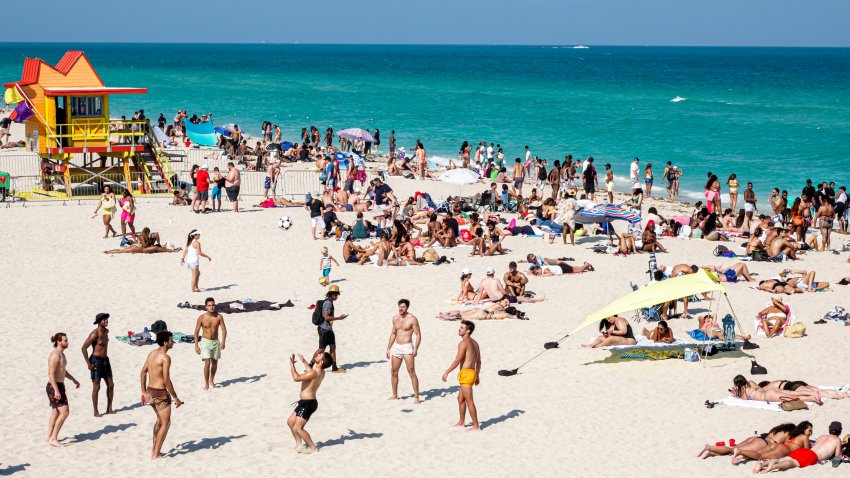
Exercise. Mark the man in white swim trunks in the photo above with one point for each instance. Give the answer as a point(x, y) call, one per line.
point(749, 202)
point(208, 345)
point(401, 347)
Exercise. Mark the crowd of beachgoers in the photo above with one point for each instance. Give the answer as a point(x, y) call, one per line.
point(364, 223)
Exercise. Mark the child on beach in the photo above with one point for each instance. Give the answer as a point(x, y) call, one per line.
point(325, 266)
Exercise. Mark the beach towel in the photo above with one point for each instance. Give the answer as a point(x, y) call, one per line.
point(732, 401)
point(645, 343)
point(792, 318)
point(697, 334)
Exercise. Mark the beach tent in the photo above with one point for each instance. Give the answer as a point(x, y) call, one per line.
point(201, 134)
point(654, 294)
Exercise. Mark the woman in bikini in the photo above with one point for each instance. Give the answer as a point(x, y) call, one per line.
point(107, 208)
point(615, 331)
point(145, 243)
point(495, 236)
point(774, 316)
point(801, 386)
point(500, 310)
point(626, 244)
point(467, 292)
point(749, 390)
point(805, 281)
point(660, 334)
point(799, 438)
point(650, 240)
point(777, 434)
point(732, 182)
point(779, 287)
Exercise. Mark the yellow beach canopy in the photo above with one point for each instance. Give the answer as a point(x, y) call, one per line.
point(658, 293)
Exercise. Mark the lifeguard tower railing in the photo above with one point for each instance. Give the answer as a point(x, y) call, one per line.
point(150, 173)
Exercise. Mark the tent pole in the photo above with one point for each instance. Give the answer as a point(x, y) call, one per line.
point(733, 312)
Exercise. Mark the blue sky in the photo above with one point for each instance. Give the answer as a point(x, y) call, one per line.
point(592, 22)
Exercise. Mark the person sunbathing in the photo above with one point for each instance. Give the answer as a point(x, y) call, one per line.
point(805, 281)
point(500, 310)
point(710, 326)
point(778, 434)
point(467, 292)
point(495, 236)
point(755, 244)
point(826, 447)
point(749, 390)
point(405, 254)
point(615, 331)
point(145, 243)
point(799, 438)
point(283, 202)
point(650, 240)
point(731, 273)
point(801, 386)
point(181, 198)
point(560, 269)
point(445, 236)
point(626, 244)
point(774, 316)
point(660, 334)
point(779, 287)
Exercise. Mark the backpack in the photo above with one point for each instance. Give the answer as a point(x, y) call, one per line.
point(318, 318)
point(760, 256)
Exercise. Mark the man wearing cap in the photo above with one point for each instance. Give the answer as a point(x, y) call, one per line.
point(515, 281)
point(98, 361)
point(202, 181)
point(207, 345)
point(825, 447)
point(325, 328)
point(490, 288)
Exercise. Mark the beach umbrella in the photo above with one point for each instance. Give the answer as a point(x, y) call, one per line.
point(340, 156)
point(606, 213)
point(286, 145)
point(224, 129)
point(272, 147)
point(459, 176)
point(356, 133)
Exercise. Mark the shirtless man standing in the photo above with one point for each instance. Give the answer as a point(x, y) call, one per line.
point(401, 347)
point(515, 281)
point(490, 288)
point(519, 177)
point(307, 403)
point(825, 447)
point(98, 362)
point(158, 391)
point(469, 359)
point(208, 346)
point(56, 373)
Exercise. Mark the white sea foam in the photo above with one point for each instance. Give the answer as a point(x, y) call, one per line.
point(677, 99)
point(580, 47)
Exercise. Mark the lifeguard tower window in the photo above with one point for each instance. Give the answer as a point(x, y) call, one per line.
point(86, 106)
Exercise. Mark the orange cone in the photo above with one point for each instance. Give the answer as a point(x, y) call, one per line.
point(141, 187)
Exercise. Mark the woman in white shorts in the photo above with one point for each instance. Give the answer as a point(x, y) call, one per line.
point(192, 257)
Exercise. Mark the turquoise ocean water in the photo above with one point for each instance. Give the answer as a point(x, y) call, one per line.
point(774, 116)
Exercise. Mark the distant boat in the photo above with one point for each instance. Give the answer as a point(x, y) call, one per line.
point(581, 47)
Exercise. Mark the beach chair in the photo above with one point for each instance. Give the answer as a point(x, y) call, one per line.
point(790, 320)
point(648, 314)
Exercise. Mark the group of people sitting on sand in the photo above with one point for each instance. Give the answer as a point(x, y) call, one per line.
point(784, 447)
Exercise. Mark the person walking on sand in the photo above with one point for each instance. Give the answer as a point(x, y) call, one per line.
point(327, 338)
point(98, 361)
point(325, 266)
point(157, 389)
point(128, 213)
point(192, 257)
point(310, 380)
point(401, 347)
point(107, 208)
point(208, 346)
point(469, 359)
point(56, 374)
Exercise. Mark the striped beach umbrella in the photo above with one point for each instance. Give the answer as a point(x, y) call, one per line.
point(607, 213)
point(356, 133)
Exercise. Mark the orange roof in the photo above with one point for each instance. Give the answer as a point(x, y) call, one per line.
point(32, 66)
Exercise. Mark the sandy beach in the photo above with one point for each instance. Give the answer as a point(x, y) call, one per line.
point(565, 413)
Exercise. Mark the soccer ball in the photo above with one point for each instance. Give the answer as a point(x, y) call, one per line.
point(284, 222)
point(323, 281)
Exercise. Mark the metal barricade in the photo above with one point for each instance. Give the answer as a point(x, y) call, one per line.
point(20, 164)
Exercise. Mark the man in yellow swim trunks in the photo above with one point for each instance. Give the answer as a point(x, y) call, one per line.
point(469, 359)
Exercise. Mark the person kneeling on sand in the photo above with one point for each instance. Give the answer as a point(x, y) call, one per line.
point(310, 381)
point(615, 331)
point(825, 447)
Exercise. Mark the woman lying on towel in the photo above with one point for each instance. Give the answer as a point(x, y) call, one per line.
point(804, 280)
point(501, 310)
point(801, 386)
point(661, 333)
point(749, 390)
point(799, 438)
point(710, 326)
point(560, 269)
point(615, 331)
point(145, 243)
point(774, 316)
point(776, 435)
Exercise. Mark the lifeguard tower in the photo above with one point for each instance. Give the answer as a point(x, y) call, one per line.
point(71, 131)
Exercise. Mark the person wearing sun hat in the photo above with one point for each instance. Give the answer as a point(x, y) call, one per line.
point(327, 338)
point(98, 361)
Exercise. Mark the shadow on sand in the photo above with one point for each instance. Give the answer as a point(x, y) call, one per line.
point(352, 435)
point(361, 364)
point(81, 437)
point(204, 444)
point(220, 287)
point(127, 408)
point(232, 381)
point(507, 416)
point(11, 470)
point(436, 392)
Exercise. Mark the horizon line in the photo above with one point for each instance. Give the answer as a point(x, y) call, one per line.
point(589, 45)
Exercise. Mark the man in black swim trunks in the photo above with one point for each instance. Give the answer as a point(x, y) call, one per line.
point(98, 361)
point(591, 181)
point(310, 380)
point(325, 328)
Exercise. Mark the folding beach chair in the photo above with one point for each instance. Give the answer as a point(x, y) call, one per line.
point(648, 314)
